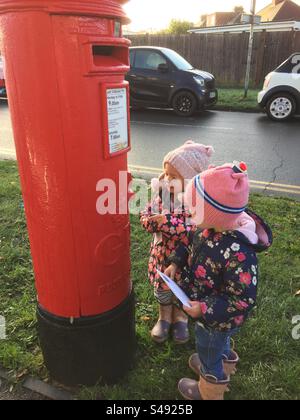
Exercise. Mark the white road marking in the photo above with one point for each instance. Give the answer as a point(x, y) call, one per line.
point(206, 127)
point(292, 189)
point(8, 152)
point(262, 185)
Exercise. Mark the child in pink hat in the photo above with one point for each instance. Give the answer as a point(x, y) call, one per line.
point(219, 273)
point(166, 220)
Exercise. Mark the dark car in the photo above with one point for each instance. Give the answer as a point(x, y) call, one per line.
point(2, 89)
point(160, 77)
point(2, 81)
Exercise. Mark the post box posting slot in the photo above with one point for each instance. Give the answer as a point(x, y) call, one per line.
point(102, 56)
point(117, 55)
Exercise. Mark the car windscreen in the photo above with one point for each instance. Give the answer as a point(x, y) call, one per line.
point(132, 58)
point(291, 65)
point(148, 59)
point(177, 60)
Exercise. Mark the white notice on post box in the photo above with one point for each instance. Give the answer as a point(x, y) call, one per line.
point(117, 119)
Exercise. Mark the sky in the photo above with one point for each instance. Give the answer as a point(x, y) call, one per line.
point(156, 14)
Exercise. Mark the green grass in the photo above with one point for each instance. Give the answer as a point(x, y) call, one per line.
point(233, 100)
point(269, 366)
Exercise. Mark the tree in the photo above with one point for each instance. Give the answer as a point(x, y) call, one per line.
point(177, 27)
point(239, 10)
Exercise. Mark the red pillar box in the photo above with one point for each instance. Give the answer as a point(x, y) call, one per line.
point(65, 67)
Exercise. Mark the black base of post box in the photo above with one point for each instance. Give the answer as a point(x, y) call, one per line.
point(90, 350)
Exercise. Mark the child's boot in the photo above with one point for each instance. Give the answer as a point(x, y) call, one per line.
point(195, 364)
point(160, 332)
point(229, 363)
point(180, 329)
point(207, 389)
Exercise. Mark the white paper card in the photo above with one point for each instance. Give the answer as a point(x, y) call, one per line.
point(117, 119)
point(178, 292)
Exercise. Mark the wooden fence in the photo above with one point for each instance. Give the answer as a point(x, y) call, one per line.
point(225, 55)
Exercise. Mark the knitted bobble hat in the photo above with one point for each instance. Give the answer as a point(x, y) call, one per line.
point(218, 196)
point(189, 159)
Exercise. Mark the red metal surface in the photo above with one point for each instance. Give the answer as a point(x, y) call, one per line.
point(58, 108)
point(101, 8)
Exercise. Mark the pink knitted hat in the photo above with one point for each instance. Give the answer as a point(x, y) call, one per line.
point(189, 159)
point(219, 195)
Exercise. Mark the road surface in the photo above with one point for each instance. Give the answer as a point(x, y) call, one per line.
point(271, 150)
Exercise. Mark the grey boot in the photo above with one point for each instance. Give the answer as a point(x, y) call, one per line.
point(180, 328)
point(160, 332)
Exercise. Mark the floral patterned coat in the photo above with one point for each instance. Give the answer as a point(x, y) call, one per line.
point(221, 272)
point(166, 237)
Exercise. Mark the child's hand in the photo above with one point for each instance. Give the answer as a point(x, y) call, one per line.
point(171, 271)
point(195, 311)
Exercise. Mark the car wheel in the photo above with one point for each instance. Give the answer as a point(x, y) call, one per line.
point(184, 103)
point(281, 107)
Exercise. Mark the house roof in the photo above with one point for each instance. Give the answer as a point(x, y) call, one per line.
point(285, 10)
point(269, 12)
point(223, 17)
point(236, 20)
point(220, 18)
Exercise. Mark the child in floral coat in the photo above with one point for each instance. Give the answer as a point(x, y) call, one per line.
point(167, 220)
point(221, 273)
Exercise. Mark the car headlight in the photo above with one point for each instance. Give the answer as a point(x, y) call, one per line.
point(267, 82)
point(199, 80)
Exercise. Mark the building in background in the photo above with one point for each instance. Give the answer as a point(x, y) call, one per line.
point(220, 19)
point(280, 10)
point(277, 11)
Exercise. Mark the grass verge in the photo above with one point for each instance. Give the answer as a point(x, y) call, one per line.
point(269, 366)
point(233, 100)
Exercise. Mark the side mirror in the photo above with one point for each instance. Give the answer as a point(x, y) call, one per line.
point(163, 68)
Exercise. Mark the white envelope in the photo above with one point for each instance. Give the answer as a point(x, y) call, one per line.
point(178, 292)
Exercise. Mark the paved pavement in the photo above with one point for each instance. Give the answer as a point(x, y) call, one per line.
point(272, 150)
point(7, 392)
point(32, 389)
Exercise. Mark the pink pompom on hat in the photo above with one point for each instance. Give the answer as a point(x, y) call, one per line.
point(189, 159)
point(217, 197)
